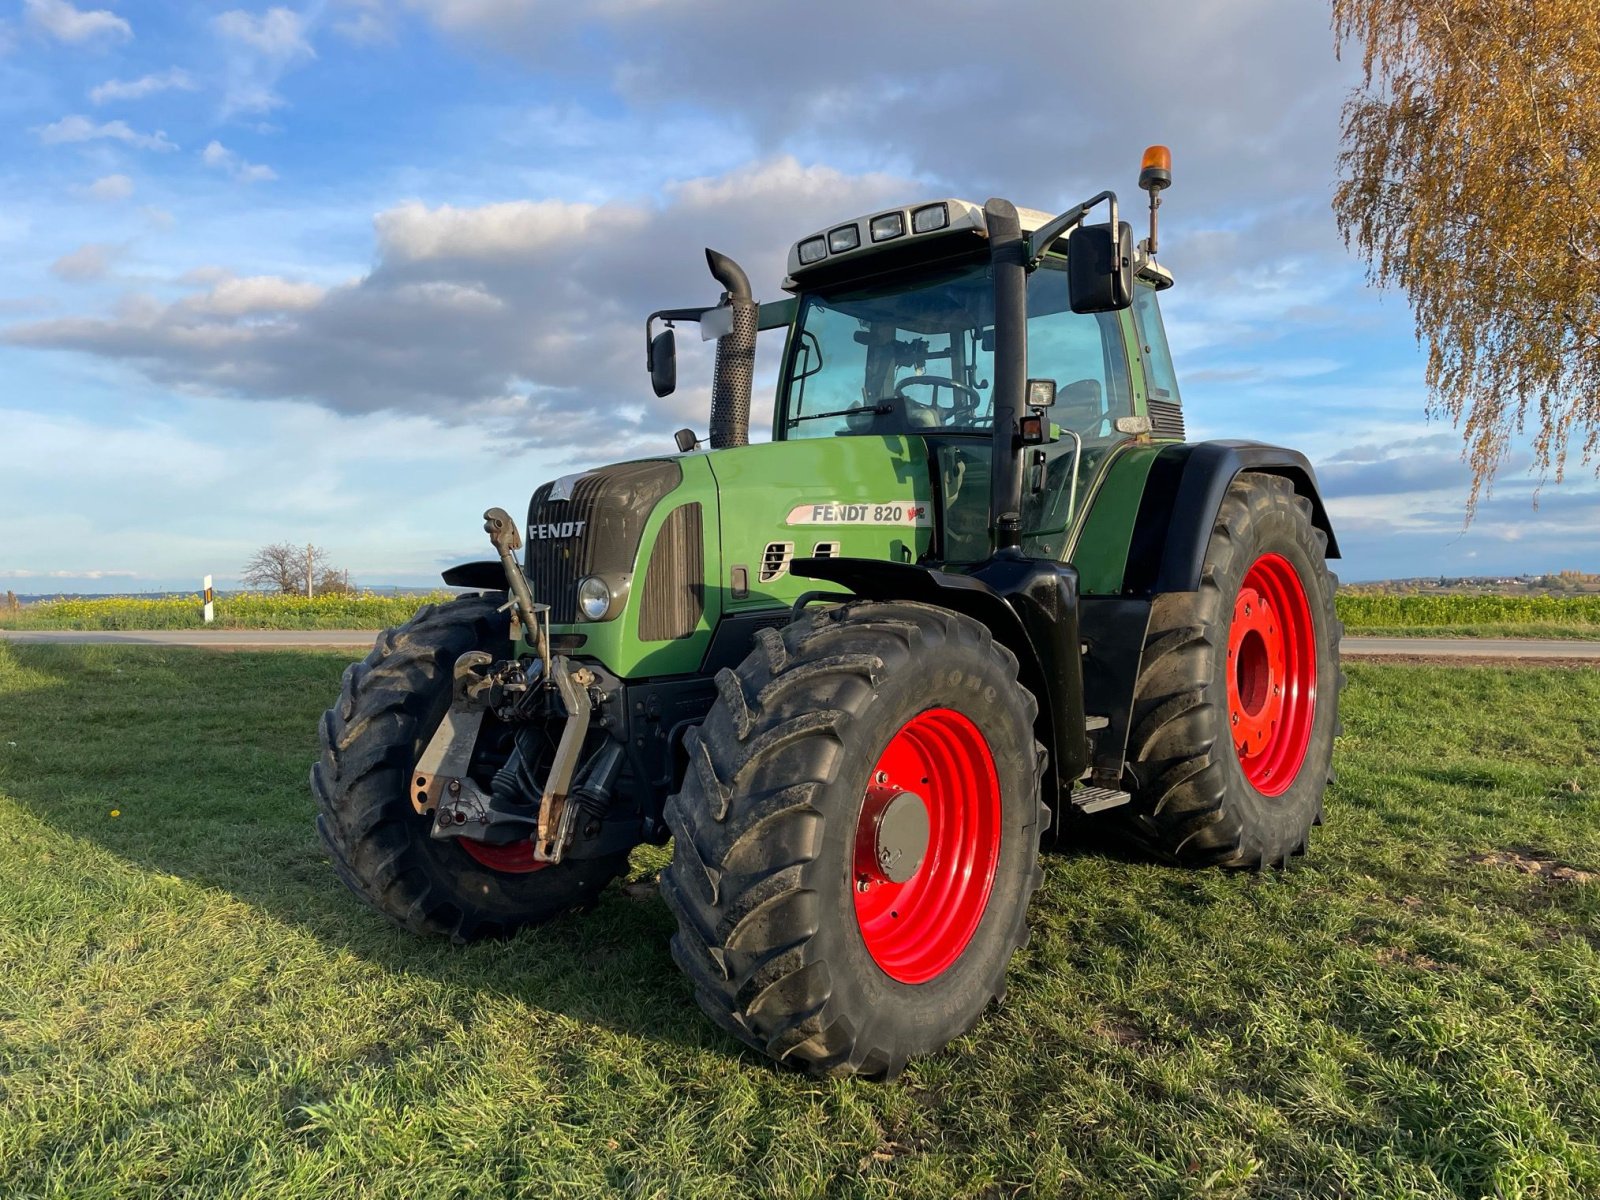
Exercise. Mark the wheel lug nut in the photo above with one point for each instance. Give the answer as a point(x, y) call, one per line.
point(862, 883)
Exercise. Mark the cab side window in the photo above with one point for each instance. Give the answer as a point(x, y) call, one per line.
point(1160, 379)
point(1082, 353)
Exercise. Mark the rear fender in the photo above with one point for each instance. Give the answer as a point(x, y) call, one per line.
point(1182, 496)
point(1031, 608)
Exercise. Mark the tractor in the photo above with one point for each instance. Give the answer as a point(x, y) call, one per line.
point(975, 596)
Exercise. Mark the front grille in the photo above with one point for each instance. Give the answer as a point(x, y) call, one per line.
point(1166, 419)
point(675, 585)
point(594, 532)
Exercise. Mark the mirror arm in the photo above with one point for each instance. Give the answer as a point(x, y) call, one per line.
point(1040, 241)
point(668, 315)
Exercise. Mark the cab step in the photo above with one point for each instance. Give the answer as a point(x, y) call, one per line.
point(1088, 799)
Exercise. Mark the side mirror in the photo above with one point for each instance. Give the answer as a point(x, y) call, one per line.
point(1100, 268)
point(663, 363)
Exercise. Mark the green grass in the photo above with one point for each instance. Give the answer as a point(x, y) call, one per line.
point(190, 1004)
point(247, 610)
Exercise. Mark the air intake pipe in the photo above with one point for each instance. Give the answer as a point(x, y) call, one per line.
point(736, 355)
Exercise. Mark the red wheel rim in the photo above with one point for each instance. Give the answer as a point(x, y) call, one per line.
point(1272, 674)
point(916, 929)
point(515, 859)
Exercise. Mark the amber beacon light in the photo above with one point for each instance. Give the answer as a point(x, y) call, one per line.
point(1155, 177)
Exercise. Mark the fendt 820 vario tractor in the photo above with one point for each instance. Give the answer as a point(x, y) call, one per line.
point(976, 593)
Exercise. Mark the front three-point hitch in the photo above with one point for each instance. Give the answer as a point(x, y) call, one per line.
point(526, 696)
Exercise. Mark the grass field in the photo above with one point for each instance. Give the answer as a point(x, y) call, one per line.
point(190, 1005)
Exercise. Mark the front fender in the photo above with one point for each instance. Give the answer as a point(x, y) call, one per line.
point(1031, 608)
point(486, 575)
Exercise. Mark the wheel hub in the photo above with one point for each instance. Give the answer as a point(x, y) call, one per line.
point(900, 834)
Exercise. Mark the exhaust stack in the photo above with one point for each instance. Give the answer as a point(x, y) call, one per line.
point(736, 355)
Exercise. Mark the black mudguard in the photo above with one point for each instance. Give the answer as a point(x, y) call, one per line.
point(488, 575)
point(1030, 606)
point(1182, 496)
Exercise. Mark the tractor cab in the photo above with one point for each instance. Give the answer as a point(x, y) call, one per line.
point(911, 353)
point(914, 324)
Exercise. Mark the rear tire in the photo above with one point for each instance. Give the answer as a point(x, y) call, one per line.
point(781, 822)
point(1236, 707)
point(389, 705)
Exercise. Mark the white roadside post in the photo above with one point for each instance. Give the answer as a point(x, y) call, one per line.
point(208, 612)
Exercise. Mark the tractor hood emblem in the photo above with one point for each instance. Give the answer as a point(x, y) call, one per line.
point(561, 489)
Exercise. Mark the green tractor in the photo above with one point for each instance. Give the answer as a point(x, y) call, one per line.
point(976, 594)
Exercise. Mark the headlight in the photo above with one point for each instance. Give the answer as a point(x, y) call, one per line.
point(890, 225)
point(934, 216)
point(594, 598)
point(846, 237)
point(813, 250)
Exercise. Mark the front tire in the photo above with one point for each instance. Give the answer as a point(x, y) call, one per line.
point(856, 841)
point(389, 705)
point(1236, 706)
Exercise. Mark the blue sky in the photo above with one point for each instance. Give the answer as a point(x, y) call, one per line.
point(350, 272)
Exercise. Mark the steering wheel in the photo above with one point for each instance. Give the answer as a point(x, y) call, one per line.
point(942, 381)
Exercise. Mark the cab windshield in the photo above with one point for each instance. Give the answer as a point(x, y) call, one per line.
point(916, 358)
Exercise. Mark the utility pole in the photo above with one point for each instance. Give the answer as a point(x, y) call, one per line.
point(308, 570)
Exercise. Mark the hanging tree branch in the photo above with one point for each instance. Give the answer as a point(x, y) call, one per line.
point(1466, 181)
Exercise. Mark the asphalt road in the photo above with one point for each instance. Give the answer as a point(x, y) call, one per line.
point(362, 639)
point(1518, 648)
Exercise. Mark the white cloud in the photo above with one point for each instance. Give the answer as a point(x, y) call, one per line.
point(278, 33)
point(62, 21)
point(251, 296)
point(85, 264)
point(367, 25)
point(175, 79)
point(110, 188)
point(521, 316)
point(414, 232)
point(257, 51)
point(81, 129)
point(219, 157)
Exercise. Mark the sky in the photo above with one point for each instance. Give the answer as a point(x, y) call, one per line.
point(351, 271)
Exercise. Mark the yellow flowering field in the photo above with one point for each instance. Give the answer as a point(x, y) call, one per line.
point(251, 610)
